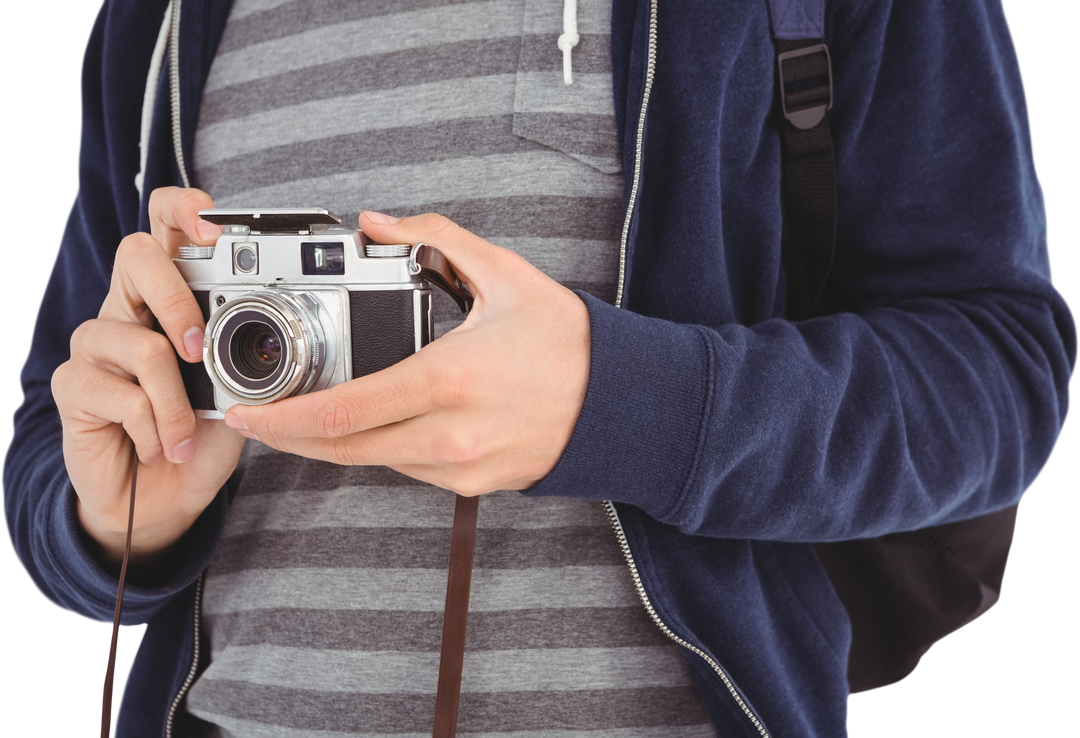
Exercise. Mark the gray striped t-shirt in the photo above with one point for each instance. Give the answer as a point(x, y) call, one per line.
point(323, 606)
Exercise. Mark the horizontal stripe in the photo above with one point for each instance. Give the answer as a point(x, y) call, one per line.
point(417, 589)
point(540, 52)
point(590, 93)
point(272, 471)
point(403, 630)
point(399, 672)
point(364, 150)
point(354, 507)
point(590, 135)
point(245, 8)
point(254, 729)
point(546, 16)
point(323, 83)
point(403, 187)
point(281, 19)
point(413, 548)
point(568, 259)
point(313, 121)
point(413, 105)
point(327, 548)
point(321, 507)
point(394, 715)
point(368, 37)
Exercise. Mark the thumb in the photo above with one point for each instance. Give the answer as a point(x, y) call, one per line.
point(476, 261)
point(174, 218)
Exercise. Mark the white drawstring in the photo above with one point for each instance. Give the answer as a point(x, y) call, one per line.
point(569, 38)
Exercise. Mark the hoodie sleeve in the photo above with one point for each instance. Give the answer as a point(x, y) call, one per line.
point(38, 497)
point(935, 391)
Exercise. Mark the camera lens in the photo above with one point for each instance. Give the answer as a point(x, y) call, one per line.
point(265, 345)
point(255, 350)
point(252, 347)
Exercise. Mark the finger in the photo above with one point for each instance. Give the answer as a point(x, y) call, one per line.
point(384, 446)
point(126, 350)
point(475, 260)
point(404, 444)
point(145, 285)
point(454, 461)
point(397, 393)
point(175, 221)
point(90, 398)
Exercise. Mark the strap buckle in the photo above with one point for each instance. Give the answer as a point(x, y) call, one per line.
point(805, 107)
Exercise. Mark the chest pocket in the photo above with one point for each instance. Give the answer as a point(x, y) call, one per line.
point(576, 119)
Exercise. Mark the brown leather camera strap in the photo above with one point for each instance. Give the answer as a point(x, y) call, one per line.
point(436, 268)
point(106, 698)
point(455, 615)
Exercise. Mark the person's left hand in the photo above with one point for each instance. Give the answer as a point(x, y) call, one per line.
point(490, 405)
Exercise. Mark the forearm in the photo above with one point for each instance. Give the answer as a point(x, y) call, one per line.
point(930, 410)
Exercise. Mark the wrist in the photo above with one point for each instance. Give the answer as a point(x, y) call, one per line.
point(104, 538)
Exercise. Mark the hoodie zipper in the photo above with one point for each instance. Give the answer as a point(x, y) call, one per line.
point(174, 90)
point(612, 513)
point(638, 146)
point(178, 150)
point(194, 663)
point(613, 516)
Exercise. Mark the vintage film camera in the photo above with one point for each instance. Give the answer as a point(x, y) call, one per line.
point(294, 302)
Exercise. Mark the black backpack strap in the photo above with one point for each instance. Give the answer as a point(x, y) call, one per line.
point(808, 170)
point(808, 161)
point(907, 590)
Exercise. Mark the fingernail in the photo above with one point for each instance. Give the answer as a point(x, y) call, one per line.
point(183, 451)
point(208, 231)
point(249, 434)
point(234, 422)
point(193, 342)
point(380, 218)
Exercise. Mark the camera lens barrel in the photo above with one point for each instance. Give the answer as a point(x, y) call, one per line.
point(255, 349)
point(264, 346)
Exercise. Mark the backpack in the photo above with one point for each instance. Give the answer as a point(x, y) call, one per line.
point(903, 591)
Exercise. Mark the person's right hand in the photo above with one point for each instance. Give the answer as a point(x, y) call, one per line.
point(122, 381)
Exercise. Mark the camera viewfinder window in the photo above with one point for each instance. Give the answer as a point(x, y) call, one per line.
point(323, 258)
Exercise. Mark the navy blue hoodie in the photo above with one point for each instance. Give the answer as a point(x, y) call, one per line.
point(727, 438)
